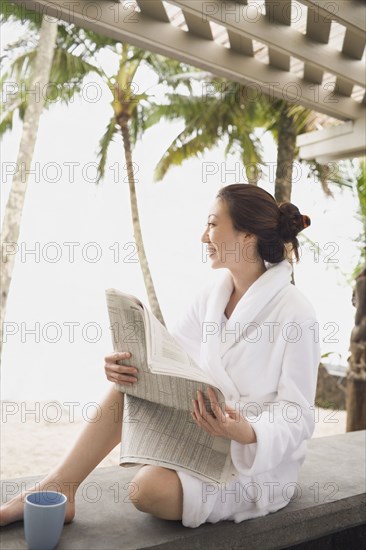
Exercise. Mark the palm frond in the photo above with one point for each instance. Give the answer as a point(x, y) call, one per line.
point(251, 149)
point(303, 118)
point(15, 99)
point(323, 175)
point(6, 122)
point(70, 68)
point(88, 42)
point(137, 123)
point(11, 12)
point(66, 77)
point(174, 73)
point(190, 109)
point(104, 144)
point(20, 67)
point(361, 188)
point(180, 150)
point(26, 42)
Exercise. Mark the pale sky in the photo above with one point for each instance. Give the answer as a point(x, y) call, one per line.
point(52, 295)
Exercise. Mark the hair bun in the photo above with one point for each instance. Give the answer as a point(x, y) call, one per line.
point(291, 221)
point(306, 221)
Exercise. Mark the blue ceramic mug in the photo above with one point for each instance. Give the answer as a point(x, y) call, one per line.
point(44, 516)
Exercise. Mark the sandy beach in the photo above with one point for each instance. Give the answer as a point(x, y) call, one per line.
point(32, 444)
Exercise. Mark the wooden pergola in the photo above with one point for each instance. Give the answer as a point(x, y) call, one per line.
point(310, 52)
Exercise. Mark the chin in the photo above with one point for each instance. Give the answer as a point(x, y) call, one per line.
point(215, 264)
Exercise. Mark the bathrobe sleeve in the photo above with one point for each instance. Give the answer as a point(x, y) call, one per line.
point(285, 423)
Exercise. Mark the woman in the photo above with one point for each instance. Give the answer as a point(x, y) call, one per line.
point(255, 333)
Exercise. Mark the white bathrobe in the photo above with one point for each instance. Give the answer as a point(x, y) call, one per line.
point(265, 360)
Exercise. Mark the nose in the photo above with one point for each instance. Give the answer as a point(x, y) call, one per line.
point(204, 237)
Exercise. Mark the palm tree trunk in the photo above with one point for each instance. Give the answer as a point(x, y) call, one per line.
point(150, 289)
point(285, 157)
point(14, 206)
point(356, 373)
point(252, 173)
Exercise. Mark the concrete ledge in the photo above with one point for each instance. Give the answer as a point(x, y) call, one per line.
point(330, 502)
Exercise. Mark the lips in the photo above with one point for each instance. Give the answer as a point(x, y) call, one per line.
point(211, 251)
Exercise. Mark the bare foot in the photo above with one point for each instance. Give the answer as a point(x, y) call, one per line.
point(13, 510)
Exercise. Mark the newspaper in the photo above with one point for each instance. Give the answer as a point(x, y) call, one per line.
point(157, 425)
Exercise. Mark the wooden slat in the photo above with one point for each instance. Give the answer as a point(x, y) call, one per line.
point(350, 13)
point(353, 46)
point(318, 30)
point(240, 44)
point(343, 87)
point(312, 74)
point(279, 12)
point(153, 8)
point(318, 27)
point(196, 25)
point(281, 38)
point(279, 60)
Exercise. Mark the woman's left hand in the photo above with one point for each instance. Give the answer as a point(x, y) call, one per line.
point(230, 424)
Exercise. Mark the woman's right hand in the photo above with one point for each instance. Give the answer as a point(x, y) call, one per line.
point(121, 374)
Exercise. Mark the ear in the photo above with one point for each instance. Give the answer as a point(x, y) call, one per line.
point(245, 240)
point(249, 240)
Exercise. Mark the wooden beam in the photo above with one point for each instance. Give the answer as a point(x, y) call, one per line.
point(347, 140)
point(147, 33)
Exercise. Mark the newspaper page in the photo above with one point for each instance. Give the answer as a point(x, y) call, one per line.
point(163, 436)
point(135, 329)
point(165, 355)
point(157, 424)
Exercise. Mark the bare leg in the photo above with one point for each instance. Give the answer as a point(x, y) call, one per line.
point(157, 491)
point(95, 441)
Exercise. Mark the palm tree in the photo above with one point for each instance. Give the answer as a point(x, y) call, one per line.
point(354, 174)
point(126, 119)
point(31, 110)
point(286, 121)
point(230, 111)
point(227, 112)
point(75, 56)
point(356, 372)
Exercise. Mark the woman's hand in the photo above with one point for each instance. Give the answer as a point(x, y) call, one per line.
point(229, 424)
point(121, 374)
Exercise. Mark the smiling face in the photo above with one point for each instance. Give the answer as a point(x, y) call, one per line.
point(226, 247)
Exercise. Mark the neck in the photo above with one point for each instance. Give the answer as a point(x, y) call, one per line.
point(244, 278)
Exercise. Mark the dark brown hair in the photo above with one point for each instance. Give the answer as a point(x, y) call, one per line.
point(253, 209)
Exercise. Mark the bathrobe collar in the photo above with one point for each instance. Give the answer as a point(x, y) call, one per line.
point(258, 296)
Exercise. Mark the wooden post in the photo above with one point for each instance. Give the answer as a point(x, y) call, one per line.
point(356, 373)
